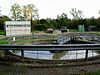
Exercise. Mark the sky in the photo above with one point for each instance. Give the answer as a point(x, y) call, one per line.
point(52, 8)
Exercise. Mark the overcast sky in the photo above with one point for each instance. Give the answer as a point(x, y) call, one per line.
point(52, 8)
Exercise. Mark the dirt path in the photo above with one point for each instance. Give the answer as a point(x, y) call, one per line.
point(22, 70)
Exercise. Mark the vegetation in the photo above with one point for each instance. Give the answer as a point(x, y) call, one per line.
point(16, 11)
point(23, 41)
point(4, 41)
point(93, 73)
point(26, 12)
point(2, 32)
point(2, 22)
point(63, 20)
point(29, 41)
point(72, 30)
point(30, 12)
point(46, 39)
point(77, 14)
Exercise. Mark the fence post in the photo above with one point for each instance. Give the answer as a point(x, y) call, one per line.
point(86, 55)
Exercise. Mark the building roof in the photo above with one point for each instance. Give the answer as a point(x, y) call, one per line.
point(17, 23)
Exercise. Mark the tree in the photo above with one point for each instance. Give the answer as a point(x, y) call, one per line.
point(77, 14)
point(27, 12)
point(2, 20)
point(24, 10)
point(62, 20)
point(30, 12)
point(16, 11)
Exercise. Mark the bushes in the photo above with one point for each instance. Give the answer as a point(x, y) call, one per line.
point(40, 27)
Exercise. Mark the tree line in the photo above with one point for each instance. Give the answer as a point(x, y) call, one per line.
point(63, 21)
point(30, 12)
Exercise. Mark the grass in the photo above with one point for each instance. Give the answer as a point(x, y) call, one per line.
point(4, 41)
point(2, 32)
point(23, 41)
point(93, 73)
point(73, 30)
point(43, 39)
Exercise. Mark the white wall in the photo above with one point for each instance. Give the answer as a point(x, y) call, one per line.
point(17, 28)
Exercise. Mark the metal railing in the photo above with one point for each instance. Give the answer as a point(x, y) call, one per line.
point(67, 47)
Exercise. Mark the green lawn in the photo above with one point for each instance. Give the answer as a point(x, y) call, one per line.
point(4, 41)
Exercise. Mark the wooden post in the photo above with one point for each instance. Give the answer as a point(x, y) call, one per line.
point(22, 53)
point(86, 55)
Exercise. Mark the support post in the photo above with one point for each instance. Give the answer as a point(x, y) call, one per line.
point(86, 55)
point(22, 53)
point(37, 54)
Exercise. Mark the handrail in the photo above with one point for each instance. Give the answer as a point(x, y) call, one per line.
point(50, 47)
point(67, 47)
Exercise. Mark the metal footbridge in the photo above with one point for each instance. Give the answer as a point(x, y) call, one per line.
point(63, 40)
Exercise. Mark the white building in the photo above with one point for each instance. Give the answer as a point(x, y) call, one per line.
point(17, 28)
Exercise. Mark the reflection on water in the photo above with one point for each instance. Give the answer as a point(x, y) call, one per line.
point(61, 56)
